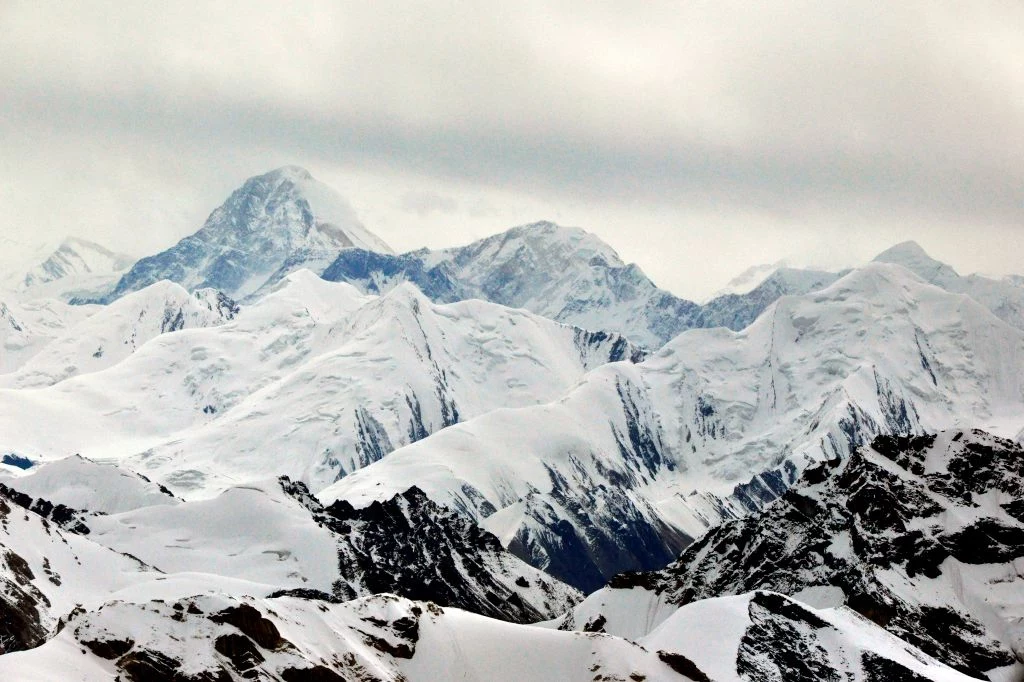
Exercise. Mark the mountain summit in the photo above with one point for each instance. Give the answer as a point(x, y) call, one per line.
point(76, 257)
point(563, 273)
point(284, 216)
point(914, 258)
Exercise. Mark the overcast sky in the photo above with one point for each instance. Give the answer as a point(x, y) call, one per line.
point(697, 138)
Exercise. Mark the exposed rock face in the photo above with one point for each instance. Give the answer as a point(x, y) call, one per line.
point(917, 534)
point(415, 548)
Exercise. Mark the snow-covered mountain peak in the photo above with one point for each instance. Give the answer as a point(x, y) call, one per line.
point(546, 240)
point(749, 279)
point(291, 173)
point(563, 273)
point(914, 258)
point(916, 533)
point(289, 207)
point(73, 269)
point(274, 223)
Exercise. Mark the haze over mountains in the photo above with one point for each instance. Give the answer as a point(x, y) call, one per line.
point(278, 420)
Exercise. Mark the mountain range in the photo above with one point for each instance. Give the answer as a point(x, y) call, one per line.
point(279, 450)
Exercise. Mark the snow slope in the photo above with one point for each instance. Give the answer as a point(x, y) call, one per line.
point(45, 572)
point(76, 269)
point(621, 472)
point(283, 215)
point(116, 331)
point(276, 538)
point(82, 484)
point(1004, 297)
point(219, 637)
point(313, 381)
point(737, 311)
point(26, 327)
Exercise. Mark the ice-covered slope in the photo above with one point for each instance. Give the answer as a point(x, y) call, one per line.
point(921, 535)
point(562, 273)
point(618, 473)
point(178, 381)
point(45, 572)
point(747, 281)
point(116, 331)
point(283, 215)
point(75, 257)
point(1004, 297)
point(400, 369)
point(26, 327)
point(81, 484)
point(275, 537)
point(312, 381)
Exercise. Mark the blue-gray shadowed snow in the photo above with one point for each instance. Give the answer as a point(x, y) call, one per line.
point(571, 276)
point(628, 465)
point(562, 273)
point(920, 535)
point(112, 333)
point(282, 216)
point(568, 275)
point(285, 220)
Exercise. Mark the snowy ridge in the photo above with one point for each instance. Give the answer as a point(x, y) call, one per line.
point(45, 572)
point(312, 381)
point(219, 637)
point(77, 257)
point(920, 535)
point(1004, 297)
point(402, 368)
point(27, 327)
point(562, 273)
point(76, 269)
point(638, 459)
point(749, 279)
point(737, 311)
point(81, 484)
point(268, 221)
point(116, 331)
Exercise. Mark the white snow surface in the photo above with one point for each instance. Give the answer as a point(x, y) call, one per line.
point(79, 483)
point(287, 386)
point(879, 351)
point(447, 644)
point(114, 332)
point(26, 327)
point(1004, 296)
point(77, 268)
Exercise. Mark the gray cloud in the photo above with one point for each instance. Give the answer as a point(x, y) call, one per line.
point(425, 203)
point(735, 131)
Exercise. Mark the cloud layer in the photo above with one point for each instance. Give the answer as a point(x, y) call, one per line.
point(695, 137)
